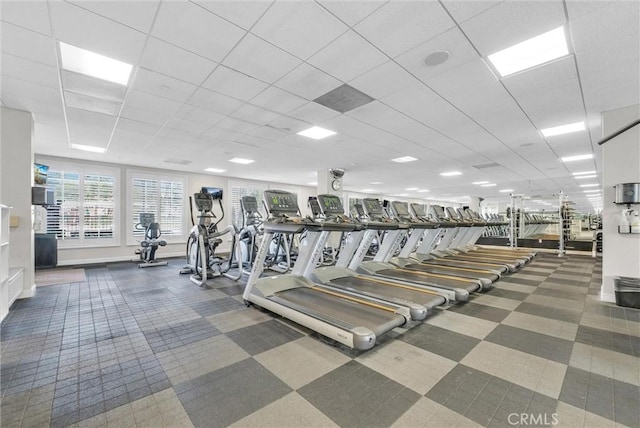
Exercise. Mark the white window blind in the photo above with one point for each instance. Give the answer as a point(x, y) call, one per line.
point(161, 196)
point(240, 189)
point(84, 210)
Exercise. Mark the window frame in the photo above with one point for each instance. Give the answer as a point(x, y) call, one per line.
point(133, 240)
point(84, 170)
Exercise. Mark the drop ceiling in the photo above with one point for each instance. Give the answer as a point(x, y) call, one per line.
point(220, 79)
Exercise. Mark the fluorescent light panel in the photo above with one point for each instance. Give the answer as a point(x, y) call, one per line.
point(563, 129)
point(241, 161)
point(404, 159)
point(217, 170)
point(489, 185)
point(480, 182)
point(592, 191)
point(589, 185)
point(584, 173)
point(505, 190)
point(411, 188)
point(580, 177)
point(530, 53)
point(93, 149)
point(95, 65)
point(376, 182)
point(576, 158)
point(423, 190)
point(450, 173)
point(316, 133)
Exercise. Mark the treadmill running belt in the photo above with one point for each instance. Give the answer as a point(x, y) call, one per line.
point(352, 313)
point(428, 299)
point(434, 268)
point(412, 276)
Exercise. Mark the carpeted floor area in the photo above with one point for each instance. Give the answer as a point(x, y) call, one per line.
point(133, 347)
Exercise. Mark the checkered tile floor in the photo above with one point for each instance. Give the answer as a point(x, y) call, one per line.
point(132, 347)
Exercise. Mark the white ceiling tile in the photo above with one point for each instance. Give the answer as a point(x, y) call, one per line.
point(372, 112)
point(24, 69)
point(261, 60)
point(308, 82)
point(199, 115)
point(146, 116)
point(579, 8)
point(313, 113)
point(383, 80)
point(135, 14)
point(86, 30)
point(269, 133)
point(91, 86)
point(254, 114)
point(143, 100)
point(348, 57)
point(553, 105)
point(452, 41)
point(173, 61)
point(353, 11)
point(33, 15)
point(243, 13)
point(288, 124)
point(555, 73)
point(89, 118)
point(401, 25)
point(195, 29)
point(235, 84)
point(214, 101)
point(589, 32)
point(300, 28)
point(236, 125)
point(134, 126)
point(28, 44)
point(93, 104)
point(278, 100)
point(461, 10)
point(161, 85)
point(512, 22)
point(187, 126)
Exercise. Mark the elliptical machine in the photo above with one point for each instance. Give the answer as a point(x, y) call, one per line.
point(248, 235)
point(204, 239)
point(149, 245)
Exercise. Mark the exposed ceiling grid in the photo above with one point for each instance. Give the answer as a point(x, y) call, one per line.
point(218, 79)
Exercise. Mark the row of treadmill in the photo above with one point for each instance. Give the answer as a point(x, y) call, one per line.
point(422, 262)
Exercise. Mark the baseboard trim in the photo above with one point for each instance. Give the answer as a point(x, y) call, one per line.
point(113, 259)
point(28, 293)
point(607, 297)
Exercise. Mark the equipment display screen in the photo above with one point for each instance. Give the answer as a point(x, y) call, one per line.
point(439, 211)
point(281, 202)
point(204, 201)
point(452, 213)
point(330, 204)
point(314, 205)
point(215, 192)
point(400, 208)
point(418, 210)
point(372, 206)
point(249, 204)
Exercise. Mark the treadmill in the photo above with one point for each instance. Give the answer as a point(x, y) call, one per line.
point(401, 212)
point(381, 267)
point(516, 252)
point(454, 235)
point(329, 209)
point(348, 318)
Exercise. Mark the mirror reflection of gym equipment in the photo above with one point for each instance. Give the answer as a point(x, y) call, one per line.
point(151, 242)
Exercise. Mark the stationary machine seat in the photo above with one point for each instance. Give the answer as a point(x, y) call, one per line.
point(151, 242)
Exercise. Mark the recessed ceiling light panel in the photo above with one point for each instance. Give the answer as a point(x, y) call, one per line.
point(316, 133)
point(215, 170)
point(584, 173)
point(480, 182)
point(93, 149)
point(241, 161)
point(591, 191)
point(589, 185)
point(563, 129)
point(505, 190)
point(489, 185)
point(580, 177)
point(404, 159)
point(450, 173)
point(92, 64)
point(530, 53)
point(576, 158)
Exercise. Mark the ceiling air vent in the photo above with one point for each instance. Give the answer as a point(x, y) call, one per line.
point(343, 99)
point(178, 161)
point(487, 165)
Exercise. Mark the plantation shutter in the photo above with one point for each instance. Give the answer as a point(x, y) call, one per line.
point(99, 204)
point(238, 190)
point(145, 200)
point(171, 203)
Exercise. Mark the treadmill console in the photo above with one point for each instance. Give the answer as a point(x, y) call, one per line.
point(203, 201)
point(280, 203)
point(418, 211)
point(438, 211)
point(314, 206)
point(452, 213)
point(330, 205)
point(373, 208)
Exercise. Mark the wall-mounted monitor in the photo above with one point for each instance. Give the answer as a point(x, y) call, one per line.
point(215, 192)
point(40, 173)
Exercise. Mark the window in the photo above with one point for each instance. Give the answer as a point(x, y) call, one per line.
point(162, 196)
point(240, 189)
point(85, 209)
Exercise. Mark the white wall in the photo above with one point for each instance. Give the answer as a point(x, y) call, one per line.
point(621, 164)
point(17, 179)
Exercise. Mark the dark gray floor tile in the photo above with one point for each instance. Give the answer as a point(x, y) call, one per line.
point(606, 339)
point(480, 311)
point(355, 395)
point(560, 314)
point(231, 393)
point(179, 334)
point(513, 279)
point(542, 345)
point(446, 343)
point(264, 336)
point(509, 294)
point(216, 306)
point(552, 292)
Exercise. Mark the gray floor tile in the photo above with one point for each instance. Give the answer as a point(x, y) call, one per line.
point(227, 395)
point(216, 306)
point(445, 343)
point(556, 313)
point(612, 341)
point(264, 336)
point(179, 334)
point(509, 294)
point(355, 395)
point(541, 345)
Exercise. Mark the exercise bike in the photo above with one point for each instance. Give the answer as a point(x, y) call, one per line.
point(202, 262)
point(149, 245)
